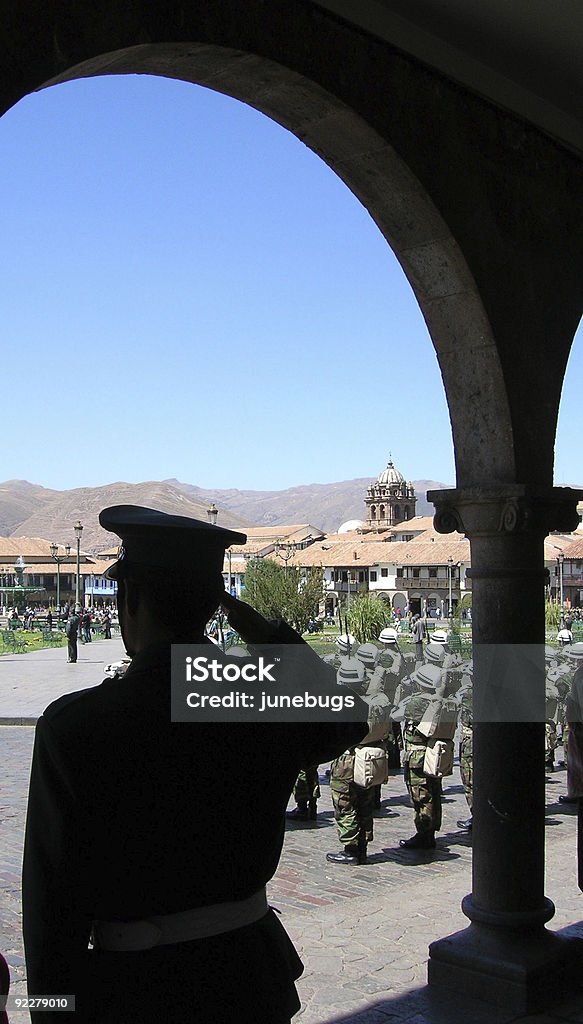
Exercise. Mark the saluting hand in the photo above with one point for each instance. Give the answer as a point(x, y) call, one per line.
point(250, 624)
point(254, 627)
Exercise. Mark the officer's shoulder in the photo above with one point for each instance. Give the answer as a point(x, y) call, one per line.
point(79, 703)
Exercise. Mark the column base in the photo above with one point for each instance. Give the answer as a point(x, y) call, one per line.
point(521, 971)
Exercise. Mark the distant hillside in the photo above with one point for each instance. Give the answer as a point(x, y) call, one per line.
point(18, 501)
point(56, 518)
point(323, 505)
point(33, 511)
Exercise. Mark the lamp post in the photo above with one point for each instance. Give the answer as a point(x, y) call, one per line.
point(285, 552)
point(212, 513)
point(351, 579)
point(78, 531)
point(231, 584)
point(59, 559)
point(449, 575)
point(560, 560)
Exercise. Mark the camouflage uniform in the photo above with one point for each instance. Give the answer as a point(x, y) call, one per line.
point(353, 805)
point(466, 747)
point(307, 785)
point(396, 666)
point(424, 790)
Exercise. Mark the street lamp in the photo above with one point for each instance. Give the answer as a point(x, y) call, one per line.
point(285, 552)
point(449, 575)
point(78, 531)
point(58, 559)
point(212, 513)
point(560, 560)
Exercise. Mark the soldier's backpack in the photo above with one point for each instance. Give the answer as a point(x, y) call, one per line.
point(439, 720)
point(371, 766)
point(438, 760)
point(378, 718)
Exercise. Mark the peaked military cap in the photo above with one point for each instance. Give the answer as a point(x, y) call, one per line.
point(152, 539)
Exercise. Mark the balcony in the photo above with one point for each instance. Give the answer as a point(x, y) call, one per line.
point(427, 583)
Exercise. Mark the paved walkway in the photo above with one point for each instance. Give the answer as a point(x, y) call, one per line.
point(28, 682)
point(362, 932)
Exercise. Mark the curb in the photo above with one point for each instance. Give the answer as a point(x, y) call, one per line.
point(18, 721)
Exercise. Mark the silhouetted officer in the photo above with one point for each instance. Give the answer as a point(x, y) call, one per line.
point(132, 832)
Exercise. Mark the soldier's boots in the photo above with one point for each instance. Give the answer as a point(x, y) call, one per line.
point(299, 813)
point(307, 810)
point(420, 841)
point(362, 847)
point(349, 855)
point(353, 853)
point(466, 826)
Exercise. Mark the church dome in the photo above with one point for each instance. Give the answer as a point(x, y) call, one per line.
point(390, 475)
point(350, 525)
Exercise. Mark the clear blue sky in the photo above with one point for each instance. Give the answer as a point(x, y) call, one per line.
point(188, 291)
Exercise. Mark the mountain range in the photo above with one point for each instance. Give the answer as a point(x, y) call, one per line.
point(30, 510)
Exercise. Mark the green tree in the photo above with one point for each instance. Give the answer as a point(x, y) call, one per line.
point(289, 593)
point(367, 616)
point(456, 620)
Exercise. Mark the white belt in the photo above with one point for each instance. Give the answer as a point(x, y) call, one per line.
point(162, 930)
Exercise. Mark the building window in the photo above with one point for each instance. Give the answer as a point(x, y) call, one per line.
point(373, 576)
point(382, 512)
point(400, 573)
point(373, 512)
point(433, 573)
point(361, 577)
point(384, 573)
point(344, 576)
point(415, 573)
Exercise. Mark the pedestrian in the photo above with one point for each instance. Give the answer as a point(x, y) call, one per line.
point(72, 633)
point(106, 625)
point(86, 622)
point(418, 633)
point(49, 620)
point(132, 833)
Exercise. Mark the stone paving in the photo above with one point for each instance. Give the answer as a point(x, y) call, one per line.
point(362, 932)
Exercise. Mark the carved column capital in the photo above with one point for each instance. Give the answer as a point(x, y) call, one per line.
point(511, 509)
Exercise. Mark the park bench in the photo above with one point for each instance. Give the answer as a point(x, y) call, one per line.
point(13, 643)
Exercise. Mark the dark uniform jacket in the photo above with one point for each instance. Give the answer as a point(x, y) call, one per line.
point(131, 815)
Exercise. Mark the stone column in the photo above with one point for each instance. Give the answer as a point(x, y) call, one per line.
point(506, 955)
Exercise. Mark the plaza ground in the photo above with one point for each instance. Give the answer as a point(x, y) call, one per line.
point(362, 932)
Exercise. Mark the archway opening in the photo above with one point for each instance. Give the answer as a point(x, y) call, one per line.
point(216, 285)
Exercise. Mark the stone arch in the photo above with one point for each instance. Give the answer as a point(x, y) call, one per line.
point(407, 217)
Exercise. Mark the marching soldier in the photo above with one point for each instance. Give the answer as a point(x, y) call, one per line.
point(428, 751)
point(353, 796)
point(306, 795)
point(464, 696)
